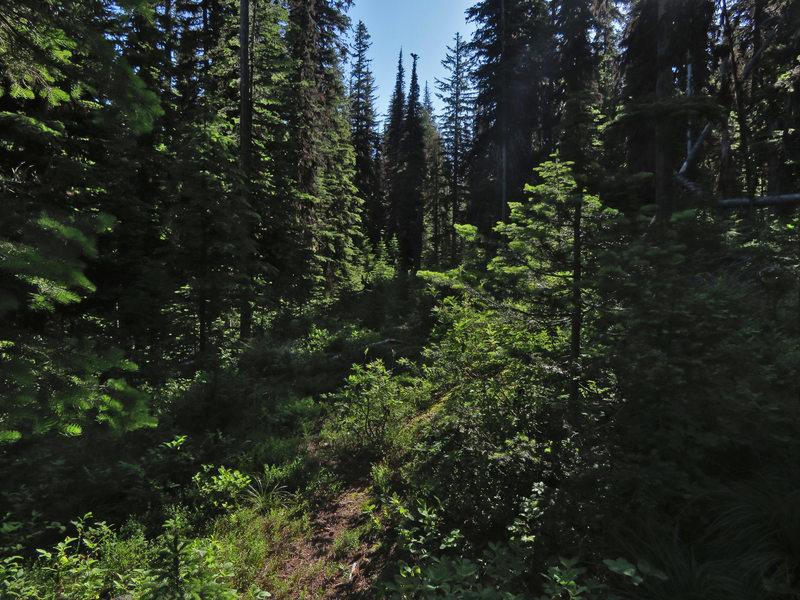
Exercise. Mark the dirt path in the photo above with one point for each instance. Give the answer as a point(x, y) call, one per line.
point(338, 559)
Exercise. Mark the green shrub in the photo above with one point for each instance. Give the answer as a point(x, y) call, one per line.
point(95, 562)
point(223, 488)
point(186, 569)
point(496, 574)
point(371, 411)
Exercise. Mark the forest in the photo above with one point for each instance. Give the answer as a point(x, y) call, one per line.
point(534, 334)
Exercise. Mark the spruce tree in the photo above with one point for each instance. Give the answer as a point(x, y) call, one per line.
point(69, 104)
point(363, 128)
point(410, 208)
point(321, 154)
point(577, 72)
point(513, 45)
point(456, 122)
point(434, 192)
point(392, 152)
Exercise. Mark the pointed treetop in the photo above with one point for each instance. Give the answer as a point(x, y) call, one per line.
point(413, 90)
point(397, 105)
point(427, 102)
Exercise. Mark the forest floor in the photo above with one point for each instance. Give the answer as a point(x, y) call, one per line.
point(339, 557)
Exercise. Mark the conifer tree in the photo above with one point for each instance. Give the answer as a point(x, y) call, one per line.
point(194, 173)
point(397, 110)
point(192, 176)
point(363, 128)
point(392, 151)
point(456, 123)
point(69, 103)
point(411, 209)
point(513, 45)
point(434, 192)
point(325, 199)
point(577, 74)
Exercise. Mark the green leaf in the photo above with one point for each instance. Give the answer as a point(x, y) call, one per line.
point(20, 92)
point(620, 566)
point(9, 436)
point(70, 429)
point(468, 233)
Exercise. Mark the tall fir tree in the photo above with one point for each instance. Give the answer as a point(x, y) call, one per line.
point(364, 134)
point(411, 209)
point(70, 106)
point(456, 122)
point(434, 189)
point(392, 150)
point(325, 198)
point(513, 44)
point(577, 73)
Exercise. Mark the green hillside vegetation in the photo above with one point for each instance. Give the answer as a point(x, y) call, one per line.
point(542, 346)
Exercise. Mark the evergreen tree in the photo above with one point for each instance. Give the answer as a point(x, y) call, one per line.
point(411, 209)
point(392, 151)
point(434, 190)
point(513, 45)
point(69, 103)
point(247, 273)
point(577, 76)
point(363, 128)
point(325, 199)
point(195, 178)
point(456, 124)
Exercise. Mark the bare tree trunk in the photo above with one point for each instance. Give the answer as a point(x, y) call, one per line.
point(437, 220)
point(246, 104)
point(455, 187)
point(504, 120)
point(689, 93)
point(453, 221)
point(577, 312)
point(245, 135)
point(663, 81)
point(738, 89)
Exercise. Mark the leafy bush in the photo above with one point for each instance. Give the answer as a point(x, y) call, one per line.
point(223, 488)
point(185, 569)
point(93, 563)
point(494, 434)
point(371, 410)
point(496, 574)
point(98, 563)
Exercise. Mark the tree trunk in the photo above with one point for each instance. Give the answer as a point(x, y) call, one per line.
point(246, 104)
point(437, 216)
point(206, 43)
point(245, 133)
point(454, 190)
point(663, 81)
point(576, 324)
point(503, 118)
point(739, 101)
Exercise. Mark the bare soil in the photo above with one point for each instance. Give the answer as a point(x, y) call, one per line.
point(321, 567)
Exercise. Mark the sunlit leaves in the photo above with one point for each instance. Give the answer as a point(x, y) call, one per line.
point(33, 55)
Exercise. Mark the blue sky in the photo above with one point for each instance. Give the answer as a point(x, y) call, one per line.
point(424, 27)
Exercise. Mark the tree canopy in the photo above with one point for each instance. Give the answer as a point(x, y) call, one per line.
point(534, 333)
